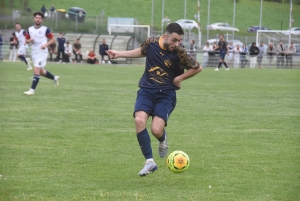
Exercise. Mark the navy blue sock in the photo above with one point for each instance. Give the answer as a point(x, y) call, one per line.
point(23, 59)
point(220, 63)
point(145, 143)
point(225, 64)
point(163, 137)
point(49, 75)
point(35, 81)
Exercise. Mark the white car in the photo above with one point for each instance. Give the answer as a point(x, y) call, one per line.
point(187, 24)
point(294, 31)
point(221, 26)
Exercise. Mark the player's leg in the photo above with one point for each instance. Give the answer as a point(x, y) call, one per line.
point(143, 107)
point(165, 104)
point(39, 61)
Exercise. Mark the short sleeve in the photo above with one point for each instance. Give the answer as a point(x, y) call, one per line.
point(186, 60)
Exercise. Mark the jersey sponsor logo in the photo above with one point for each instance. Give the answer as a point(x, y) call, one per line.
point(158, 74)
point(168, 63)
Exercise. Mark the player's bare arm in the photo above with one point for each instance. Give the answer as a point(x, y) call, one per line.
point(136, 53)
point(186, 75)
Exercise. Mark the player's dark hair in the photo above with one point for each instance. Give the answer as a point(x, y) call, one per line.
point(38, 13)
point(174, 28)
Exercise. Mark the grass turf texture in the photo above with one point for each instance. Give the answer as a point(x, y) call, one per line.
point(275, 15)
point(240, 129)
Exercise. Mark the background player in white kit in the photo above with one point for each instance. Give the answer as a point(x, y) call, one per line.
point(20, 38)
point(38, 36)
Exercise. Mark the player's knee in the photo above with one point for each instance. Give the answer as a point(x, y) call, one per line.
point(139, 121)
point(157, 131)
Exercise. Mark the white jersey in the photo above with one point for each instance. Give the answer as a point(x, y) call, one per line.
point(40, 37)
point(21, 37)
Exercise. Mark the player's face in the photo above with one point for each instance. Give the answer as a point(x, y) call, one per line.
point(37, 20)
point(172, 41)
point(221, 37)
point(18, 27)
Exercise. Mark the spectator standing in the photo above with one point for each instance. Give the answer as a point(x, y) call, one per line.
point(52, 9)
point(68, 51)
point(289, 55)
point(280, 54)
point(43, 9)
point(12, 48)
point(91, 57)
point(253, 52)
point(230, 56)
point(1, 42)
point(206, 49)
point(77, 50)
point(271, 52)
point(52, 49)
point(260, 56)
point(244, 52)
point(61, 47)
point(103, 48)
point(193, 49)
point(236, 56)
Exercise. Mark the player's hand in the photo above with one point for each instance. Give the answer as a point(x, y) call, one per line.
point(177, 82)
point(112, 54)
point(44, 46)
point(30, 40)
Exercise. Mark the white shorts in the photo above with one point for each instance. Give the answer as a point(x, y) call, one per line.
point(39, 60)
point(22, 50)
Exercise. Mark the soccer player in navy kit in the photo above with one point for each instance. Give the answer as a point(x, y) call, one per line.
point(166, 60)
point(223, 48)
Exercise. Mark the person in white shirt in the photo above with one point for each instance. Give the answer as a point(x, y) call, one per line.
point(20, 40)
point(236, 55)
point(230, 56)
point(38, 36)
point(207, 48)
point(68, 50)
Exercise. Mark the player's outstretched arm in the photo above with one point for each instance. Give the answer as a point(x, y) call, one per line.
point(186, 75)
point(136, 53)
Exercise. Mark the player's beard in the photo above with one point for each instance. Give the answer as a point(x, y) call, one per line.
point(167, 46)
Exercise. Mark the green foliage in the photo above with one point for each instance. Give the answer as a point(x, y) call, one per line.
point(240, 129)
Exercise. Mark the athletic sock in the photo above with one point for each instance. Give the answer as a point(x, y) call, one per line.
point(49, 75)
point(35, 81)
point(220, 63)
point(163, 137)
point(225, 64)
point(145, 143)
point(23, 59)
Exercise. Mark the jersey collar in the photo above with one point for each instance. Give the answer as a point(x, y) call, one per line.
point(160, 42)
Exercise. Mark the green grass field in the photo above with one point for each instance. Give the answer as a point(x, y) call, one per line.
point(275, 15)
point(240, 129)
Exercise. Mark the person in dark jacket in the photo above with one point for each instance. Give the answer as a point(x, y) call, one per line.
point(60, 47)
point(253, 52)
point(103, 48)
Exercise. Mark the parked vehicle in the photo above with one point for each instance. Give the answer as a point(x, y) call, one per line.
point(187, 24)
point(294, 31)
point(255, 28)
point(221, 26)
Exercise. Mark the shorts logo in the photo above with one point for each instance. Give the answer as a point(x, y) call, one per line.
point(40, 63)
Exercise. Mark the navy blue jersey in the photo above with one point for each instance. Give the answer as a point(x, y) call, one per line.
point(162, 66)
point(222, 46)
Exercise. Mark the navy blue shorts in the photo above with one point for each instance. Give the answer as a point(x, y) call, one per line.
point(222, 55)
point(156, 102)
